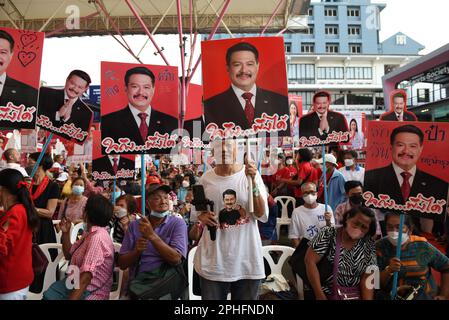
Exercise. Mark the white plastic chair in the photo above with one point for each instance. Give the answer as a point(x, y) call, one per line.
point(276, 268)
point(190, 258)
point(284, 219)
point(115, 295)
point(74, 232)
point(58, 233)
point(50, 272)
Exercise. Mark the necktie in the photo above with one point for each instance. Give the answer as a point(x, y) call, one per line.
point(115, 166)
point(405, 188)
point(143, 128)
point(249, 108)
point(400, 117)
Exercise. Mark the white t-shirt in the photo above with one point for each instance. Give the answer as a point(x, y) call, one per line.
point(17, 167)
point(237, 251)
point(306, 222)
point(358, 174)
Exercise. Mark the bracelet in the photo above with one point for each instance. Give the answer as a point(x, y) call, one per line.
point(387, 268)
point(256, 191)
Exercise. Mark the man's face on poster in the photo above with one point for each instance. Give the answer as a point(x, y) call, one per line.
point(226, 151)
point(406, 150)
point(5, 55)
point(229, 201)
point(75, 87)
point(140, 91)
point(321, 105)
point(399, 105)
point(243, 69)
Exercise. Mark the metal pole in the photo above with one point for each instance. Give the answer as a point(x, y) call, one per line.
point(142, 179)
point(183, 78)
point(39, 159)
point(114, 186)
point(272, 16)
point(394, 289)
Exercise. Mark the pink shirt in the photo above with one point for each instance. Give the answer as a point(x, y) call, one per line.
point(74, 209)
point(94, 253)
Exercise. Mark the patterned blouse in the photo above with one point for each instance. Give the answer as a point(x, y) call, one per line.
point(353, 262)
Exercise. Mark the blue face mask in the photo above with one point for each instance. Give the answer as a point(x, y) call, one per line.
point(115, 195)
point(159, 214)
point(77, 190)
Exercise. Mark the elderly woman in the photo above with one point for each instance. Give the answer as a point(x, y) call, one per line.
point(418, 258)
point(93, 254)
point(356, 253)
point(73, 207)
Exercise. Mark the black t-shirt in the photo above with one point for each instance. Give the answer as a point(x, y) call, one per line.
point(228, 217)
point(50, 192)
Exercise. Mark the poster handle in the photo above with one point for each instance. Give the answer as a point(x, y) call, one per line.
point(323, 155)
point(250, 180)
point(142, 180)
point(41, 155)
point(394, 288)
point(114, 186)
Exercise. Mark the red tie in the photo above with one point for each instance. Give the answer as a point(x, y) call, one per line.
point(143, 129)
point(115, 166)
point(249, 108)
point(405, 188)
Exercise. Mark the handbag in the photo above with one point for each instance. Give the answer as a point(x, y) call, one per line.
point(40, 261)
point(167, 281)
point(342, 292)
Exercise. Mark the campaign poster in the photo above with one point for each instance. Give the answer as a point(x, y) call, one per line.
point(245, 87)
point(63, 112)
point(398, 108)
point(295, 112)
point(357, 127)
point(110, 167)
point(321, 125)
point(407, 167)
point(139, 108)
point(20, 69)
point(28, 140)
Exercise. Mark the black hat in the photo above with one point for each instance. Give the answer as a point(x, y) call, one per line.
point(152, 188)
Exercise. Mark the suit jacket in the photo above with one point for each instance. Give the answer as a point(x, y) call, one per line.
point(103, 164)
point(384, 181)
point(51, 100)
point(226, 107)
point(310, 123)
point(121, 124)
point(18, 93)
point(391, 116)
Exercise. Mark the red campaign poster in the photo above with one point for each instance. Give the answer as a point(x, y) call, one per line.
point(245, 87)
point(407, 167)
point(398, 108)
point(62, 111)
point(130, 93)
point(20, 69)
point(110, 167)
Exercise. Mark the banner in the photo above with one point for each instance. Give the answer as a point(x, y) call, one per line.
point(398, 108)
point(20, 70)
point(245, 87)
point(407, 167)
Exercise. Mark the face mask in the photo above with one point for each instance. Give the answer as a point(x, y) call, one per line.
point(185, 184)
point(159, 214)
point(310, 198)
point(354, 233)
point(356, 199)
point(77, 190)
point(115, 195)
point(289, 162)
point(349, 162)
point(122, 212)
point(393, 236)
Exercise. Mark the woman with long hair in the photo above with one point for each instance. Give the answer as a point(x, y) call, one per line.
point(356, 137)
point(294, 120)
point(18, 220)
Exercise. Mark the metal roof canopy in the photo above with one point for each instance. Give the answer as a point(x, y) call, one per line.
point(242, 16)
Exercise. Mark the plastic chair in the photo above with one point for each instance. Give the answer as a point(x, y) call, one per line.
point(50, 272)
point(74, 232)
point(286, 253)
point(58, 233)
point(115, 295)
point(284, 219)
point(190, 258)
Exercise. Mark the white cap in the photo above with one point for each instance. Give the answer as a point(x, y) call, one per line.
point(328, 158)
point(63, 176)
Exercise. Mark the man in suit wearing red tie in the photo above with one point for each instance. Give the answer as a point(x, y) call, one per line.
point(138, 119)
point(244, 101)
point(399, 108)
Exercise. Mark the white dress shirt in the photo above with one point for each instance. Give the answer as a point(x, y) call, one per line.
point(57, 116)
point(2, 82)
point(111, 159)
point(238, 92)
point(398, 172)
point(136, 112)
point(319, 117)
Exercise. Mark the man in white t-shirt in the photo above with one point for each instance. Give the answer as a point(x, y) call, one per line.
point(233, 262)
point(309, 218)
point(12, 157)
point(352, 171)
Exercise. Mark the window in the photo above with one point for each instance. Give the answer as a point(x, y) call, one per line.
point(330, 73)
point(360, 99)
point(306, 98)
point(309, 30)
point(331, 30)
point(301, 73)
point(310, 12)
point(401, 40)
point(355, 48)
point(330, 12)
point(332, 48)
point(423, 95)
point(359, 73)
point(353, 12)
point(338, 99)
point(307, 48)
point(288, 47)
point(379, 100)
point(354, 30)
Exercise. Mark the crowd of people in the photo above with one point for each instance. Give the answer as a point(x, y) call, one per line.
point(336, 230)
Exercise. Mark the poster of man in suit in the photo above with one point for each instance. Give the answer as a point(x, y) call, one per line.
point(20, 65)
point(139, 108)
point(245, 87)
point(322, 125)
point(63, 112)
point(110, 167)
point(398, 108)
point(407, 167)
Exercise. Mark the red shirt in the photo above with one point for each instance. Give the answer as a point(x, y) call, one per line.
point(16, 270)
point(307, 173)
point(286, 173)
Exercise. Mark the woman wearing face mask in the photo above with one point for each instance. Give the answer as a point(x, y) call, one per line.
point(418, 257)
point(73, 207)
point(18, 220)
point(182, 191)
point(356, 254)
point(124, 212)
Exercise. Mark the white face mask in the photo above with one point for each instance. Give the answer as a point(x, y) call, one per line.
point(349, 162)
point(393, 236)
point(122, 212)
point(185, 184)
point(310, 198)
point(289, 162)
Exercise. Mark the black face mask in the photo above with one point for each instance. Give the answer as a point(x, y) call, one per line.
point(356, 199)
